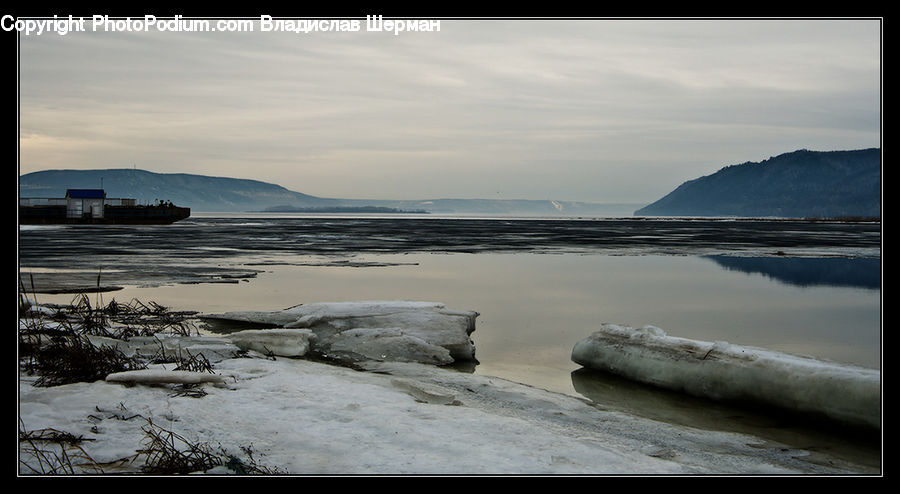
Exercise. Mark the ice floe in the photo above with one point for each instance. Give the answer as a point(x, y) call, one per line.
point(405, 331)
point(213, 348)
point(162, 376)
point(280, 342)
point(724, 371)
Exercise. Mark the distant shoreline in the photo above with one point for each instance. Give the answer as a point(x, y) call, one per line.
point(378, 209)
point(347, 209)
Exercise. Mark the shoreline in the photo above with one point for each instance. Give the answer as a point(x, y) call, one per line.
point(371, 407)
point(346, 422)
point(393, 418)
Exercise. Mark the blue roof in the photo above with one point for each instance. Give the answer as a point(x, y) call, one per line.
point(86, 193)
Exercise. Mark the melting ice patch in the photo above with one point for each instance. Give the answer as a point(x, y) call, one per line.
point(406, 331)
point(723, 371)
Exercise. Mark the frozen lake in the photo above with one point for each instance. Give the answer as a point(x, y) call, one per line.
point(539, 285)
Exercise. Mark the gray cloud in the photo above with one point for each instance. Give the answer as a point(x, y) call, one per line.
point(596, 110)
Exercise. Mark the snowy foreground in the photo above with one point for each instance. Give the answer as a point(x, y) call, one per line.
point(397, 415)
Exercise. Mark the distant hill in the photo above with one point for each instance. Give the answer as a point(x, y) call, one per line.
point(199, 192)
point(204, 193)
point(821, 184)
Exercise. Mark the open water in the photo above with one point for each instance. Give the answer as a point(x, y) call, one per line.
point(539, 284)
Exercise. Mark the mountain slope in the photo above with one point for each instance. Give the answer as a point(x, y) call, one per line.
point(798, 184)
point(219, 194)
point(199, 192)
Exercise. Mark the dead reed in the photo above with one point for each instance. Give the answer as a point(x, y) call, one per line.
point(54, 340)
point(39, 456)
point(168, 453)
point(71, 358)
point(54, 344)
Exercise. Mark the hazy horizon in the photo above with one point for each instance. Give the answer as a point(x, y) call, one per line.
point(603, 111)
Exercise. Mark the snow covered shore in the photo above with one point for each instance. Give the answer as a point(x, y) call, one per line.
point(723, 371)
point(391, 415)
point(303, 417)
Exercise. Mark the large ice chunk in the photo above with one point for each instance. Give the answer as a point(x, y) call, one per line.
point(384, 344)
point(280, 342)
point(162, 376)
point(213, 348)
point(723, 371)
point(412, 329)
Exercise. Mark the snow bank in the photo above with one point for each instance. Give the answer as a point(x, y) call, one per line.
point(424, 332)
point(302, 417)
point(722, 371)
point(400, 417)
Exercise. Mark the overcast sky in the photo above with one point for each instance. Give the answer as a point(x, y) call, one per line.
point(587, 110)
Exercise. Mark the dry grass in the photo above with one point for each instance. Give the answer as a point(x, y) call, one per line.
point(168, 453)
point(70, 358)
point(53, 452)
point(55, 346)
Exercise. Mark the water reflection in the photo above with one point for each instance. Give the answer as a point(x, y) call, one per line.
point(535, 307)
point(809, 271)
